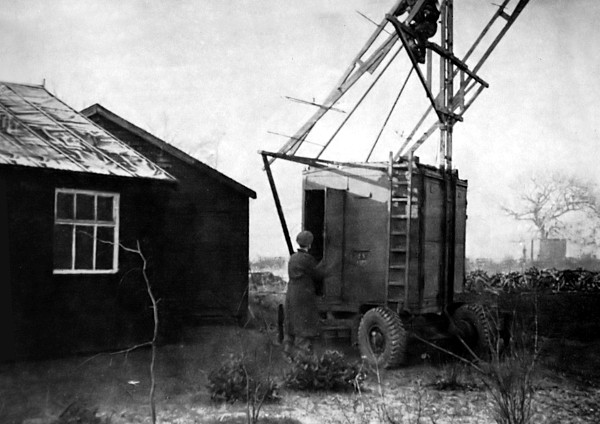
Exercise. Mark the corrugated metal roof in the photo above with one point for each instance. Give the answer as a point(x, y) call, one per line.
point(39, 130)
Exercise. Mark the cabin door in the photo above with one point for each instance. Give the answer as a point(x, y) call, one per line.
point(333, 243)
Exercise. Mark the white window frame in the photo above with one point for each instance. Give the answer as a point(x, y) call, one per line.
point(92, 223)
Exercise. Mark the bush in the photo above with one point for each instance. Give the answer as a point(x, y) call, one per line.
point(510, 384)
point(265, 280)
point(79, 413)
point(235, 380)
point(453, 376)
point(509, 374)
point(330, 371)
point(534, 279)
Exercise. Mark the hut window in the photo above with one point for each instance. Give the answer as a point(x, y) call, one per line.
point(86, 232)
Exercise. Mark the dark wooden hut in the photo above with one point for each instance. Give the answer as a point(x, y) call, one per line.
point(207, 229)
point(71, 194)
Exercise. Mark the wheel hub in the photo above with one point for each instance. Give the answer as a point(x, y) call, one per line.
point(466, 331)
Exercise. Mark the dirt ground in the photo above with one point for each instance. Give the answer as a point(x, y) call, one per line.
point(116, 386)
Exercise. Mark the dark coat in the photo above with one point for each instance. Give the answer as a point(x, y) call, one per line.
point(301, 313)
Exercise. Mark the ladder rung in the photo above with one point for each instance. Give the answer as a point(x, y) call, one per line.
point(398, 249)
point(399, 199)
point(396, 284)
point(398, 233)
point(397, 266)
point(400, 216)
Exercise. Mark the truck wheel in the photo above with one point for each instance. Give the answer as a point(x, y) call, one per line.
point(382, 338)
point(473, 327)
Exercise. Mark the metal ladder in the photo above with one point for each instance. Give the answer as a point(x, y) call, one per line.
point(399, 235)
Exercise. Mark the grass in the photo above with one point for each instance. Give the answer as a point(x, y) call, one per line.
point(118, 387)
point(453, 376)
point(264, 420)
point(117, 383)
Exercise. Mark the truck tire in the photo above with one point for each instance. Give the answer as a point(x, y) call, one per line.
point(382, 338)
point(473, 327)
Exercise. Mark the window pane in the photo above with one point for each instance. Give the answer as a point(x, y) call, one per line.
point(105, 208)
point(105, 247)
point(84, 246)
point(63, 243)
point(64, 205)
point(85, 206)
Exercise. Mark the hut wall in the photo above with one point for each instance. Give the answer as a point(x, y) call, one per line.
point(207, 234)
point(54, 314)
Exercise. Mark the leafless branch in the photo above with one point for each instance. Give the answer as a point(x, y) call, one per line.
point(545, 200)
point(448, 352)
point(155, 302)
point(132, 348)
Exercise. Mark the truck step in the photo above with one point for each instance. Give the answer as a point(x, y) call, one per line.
point(335, 324)
point(395, 299)
point(335, 327)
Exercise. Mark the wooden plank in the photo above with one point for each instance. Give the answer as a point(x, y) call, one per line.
point(284, 226)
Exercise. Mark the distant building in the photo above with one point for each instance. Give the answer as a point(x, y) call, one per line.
point(70, 194)
point(552, 250)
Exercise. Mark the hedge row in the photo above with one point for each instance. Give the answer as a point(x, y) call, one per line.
point(534, 279)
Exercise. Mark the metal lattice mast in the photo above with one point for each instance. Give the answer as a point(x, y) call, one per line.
point(447, 84)
point(449, 100)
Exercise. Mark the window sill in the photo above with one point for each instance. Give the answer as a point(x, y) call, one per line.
point(84, 272)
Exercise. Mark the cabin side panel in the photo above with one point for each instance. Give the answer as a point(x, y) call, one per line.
point(55, 314)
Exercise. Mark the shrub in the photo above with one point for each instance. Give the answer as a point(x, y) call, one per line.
point(330, 371)
point(452, 376)
point(80, 413)
point(265, 280)
point(510, 384)
point(534, 279)
point(235, 380)
point(509, 374)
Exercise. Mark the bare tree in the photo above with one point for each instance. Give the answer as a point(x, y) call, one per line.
point(153, 342)
point(546, 200)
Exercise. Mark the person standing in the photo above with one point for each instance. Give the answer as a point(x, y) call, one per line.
point(424, 24)
point(301, 322)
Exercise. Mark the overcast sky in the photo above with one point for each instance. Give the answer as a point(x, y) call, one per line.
point(209, 76)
